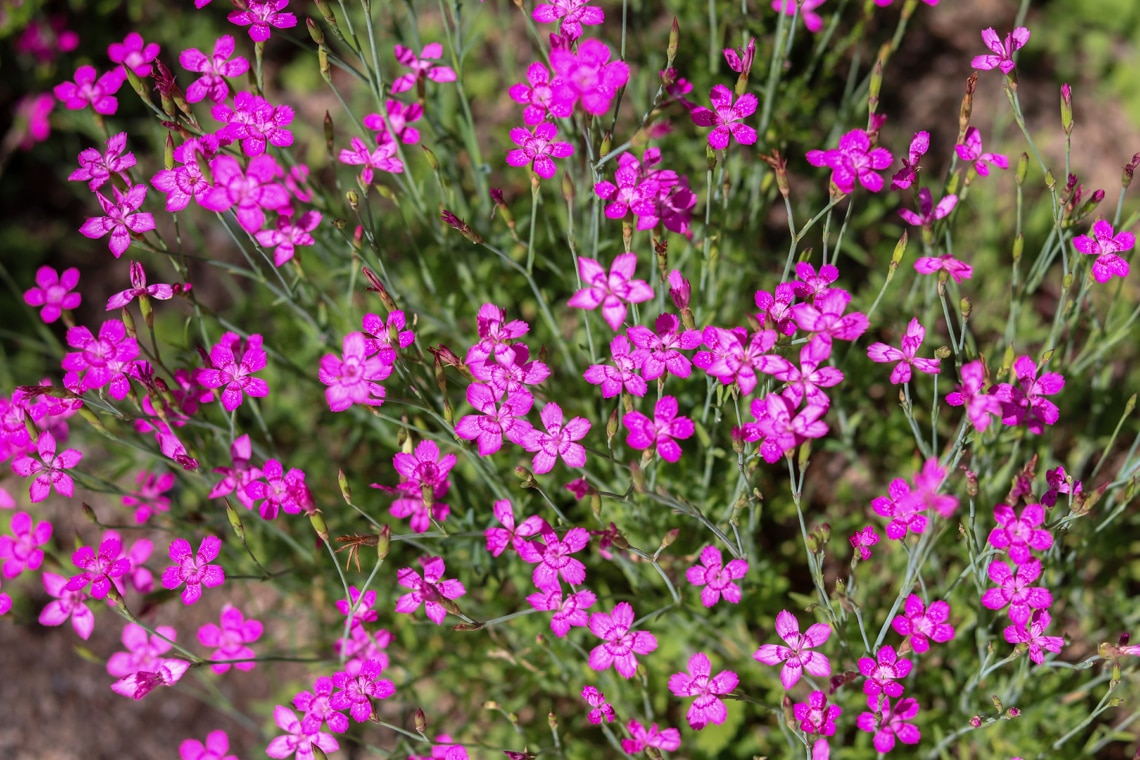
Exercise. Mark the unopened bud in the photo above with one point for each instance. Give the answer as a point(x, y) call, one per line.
point(674, 43)
point(89, 513)
point(345, 489)
point(900, 250)
point(383, 542)
point(1067, 109)
point(552, 720)
point(568, 188)
point(967, 307)
point(670, 537)
point(323, 63)
point(976, 721)
point(1129, 170)
point(526, 477)
point(319, 526)
point(353, 199)
point(235, 521)
point(1018, 247)
point(638, 477)
point(315, 31)
point(421, 721)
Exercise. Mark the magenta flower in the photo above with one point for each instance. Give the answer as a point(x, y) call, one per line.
point(815, 715)
point(971, 394)
point(568, 612)
point(825, 316)
point(253, 191)
point(217, 747)
point(558, 441)
point(233, 373)
point(424, 470)
point(498, 539)
point(359, 685)
point(601, 708)
point(1106, 247)
point(956, 269)
point(53, 293)
point(386, 338)
point(229, 639)
point(361, 646)
point(1019, 535)
point(260, 16)
point(612, 290)
point(1033, 636)
point(884, 673)
point(87, 89)
point(118, 219)
point(888, 723)
point(97, 168)
point(429, 590)
point(727, 118)
point(813, 21)
point(552, 559)
point(853, 160)
point(700, 683)
point(573, 13)
point(717, 577)
point(288, 234)
point(783, 426)
point(296, 739)
point(971, 150)
point(31, 120)
point(99, 569)
point(137, 685)
point(923, 625)
point(929, 212)
point(805, 382)
point(66, 604)
point(912, 340)
point(186, 182)
point(1024, 403)
point(359, 608)
point(381, 158)
point(1059, 483)
point(355, 377)
point(733, 356)
point(422, 67)
point(48, 467)
point(317, 708)
point(497, 421)
point(668, 739)
point(797, 655)
point(149, 498)
point(139, 576)
point(282, 491)
point(776, 308)
point(659, 350)
point(400, 116)
point(1003, 51)
point(619, 645)
point(238, 477)
point(139, 289)
point(192, 569)
point(908, 175)
point(21, 550)
point(513, 376)
point(588, 76)
point(144, 652)
point(214, 70)
point(863, 540)
point(660, 432)
point(622, 375)
point(903, 508)
point(133, 53)
point(537, 95)
point(537, 147)
point(1014, 589)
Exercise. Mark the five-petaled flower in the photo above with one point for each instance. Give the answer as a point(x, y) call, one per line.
point(355, 376)
point(21, 550)
point(884, 672)
point(923, 624)
point(139, 289)
point(67, 603)
point(431, 590)
point(1002, 57)
point(727, 117)
point(538, 147)
point(797, 656)
point(700, 683)
point(296, 739)
point(668, 739)
point(863, 540)
point(883, 354)
point(929, 212)
point(133, 53)
point(192, 569)
point(806, 10)
point(253, 190)
point(1018, 535)
point(552, 559)
point(573, 13)
point(1107, 248)
point(90, 88)
point(1024, 403)
point(381, 158)
point(587, 76)
point(959, 270)
point(853, 160)
point(359, 684)
point(611, 290)
point(601, 708)
point(1033, 636)
point(48, 467)
point(662, 431)
point(54, 292)
point(907, 175)
point(422, 67)
point(1014, 589)
point(815, 715)
point(971, 393)
point(217, 747)
point(888, 722)
point(97, 168)
point(99, 568)
point(559, 440)
point(260, 16)
point(229, 639)
point(971, 150)
point(233, 373)
point(214, 70)
point(717, 577)
point(619, 645)
point(119, 219)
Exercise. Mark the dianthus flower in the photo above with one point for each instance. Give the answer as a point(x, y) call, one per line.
point(1014, 589)
point(700, 683)
point(54, 293)
point(661, 432)
point(97, 168)
point(381, 158)
point(621, 376)
point(66, 604)
point(289, 233)
point(825, 316)
point(929, 212)
point(971, 394)
point(735, 357)
point(559, 440)
point(139, 289)
point(853, 160)
point(668, 739)
point(359, 608)
point(884, 672)
point(956, 269)
point(717, 577)
point(1003, 51)
point(118, 219)
point(48, 467)
point(727, 118)
point(260, 16)
point(149, 498)
point(214, 70)
point(144, 651)
point(354, 377)
point(797, 656)
point(253, 190)
point(923, 624)
point(619, 645)
point(1024, 403)
point(498, 539)
point(429, 589)
point(296, 739)
point(21, 550)
point(551, 558)
point(573, 13)
point(888, 722)
point(229, 639)
point(908, 175)
point(1106, 247)
point(568, 612)
point(217, 747)
point(91, 89)
point(137, 685)
point(783, 426)
point(806, 9)
point(422, 67)
point(193, 569)
point(1018, 535)
point(537, 147)
point(1033, 636)
point(240, 475)
point(587, 76)
point(317, 708)
point(804, 383)
point(385, 338)
point(359, 684)
point(282, 491)
point(912, 340)
point(776, 308)
point(138, 574)
point(99, 569)
point(815, 715)
point(863, 540)
point(659, 350)
point(255, 122)
point(971, 150)
point(496, 337)
point(233, 373)
point(612, 290)
point(536, 95)
point(502, 417)
point(133, 53)
point(601, 708)
point(31, 119)
point(1059, 483)
point(186, 182)
point(400, 115)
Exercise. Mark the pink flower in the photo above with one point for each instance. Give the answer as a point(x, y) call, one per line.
point(87, 90)
point(318, 709)
point(229, 639)
point(816, 716)
point(574, 13)
point(53, 292)
point(133, 53)
point(553, 559)
point(497, 421)
point(612, 290)
point(727, 118)
point(1024, 403)
point(669, 739)
point(537, 147)
point(971, 150)
point(400, 115)
point(99, 569)
point(863, 540)
point(256, 122)
point(956, 269)
point(386, 338)
point(118, 219)
point(804, 383)
point(296, 739)
point(619, 645)
point(971, 394)
point(424, 469)
point(741, 60)
point(259, 16)
point(144, 652)
point(193, 569)
point(659, 350)
point(253, 191)
point(359, 608)
point(139, 289)
point(239, 476)
point(186, 182)
point(381, 158)
point(31, 119)
point(825, 316)
point(908, 175)
point(558, 441)
point(101, 362)
point(853, 160)
point(812, 20)
point(882, 353)
point(498, 539)
point(97, 168)
point(148, 499)
point(717, 577)
point(1003, 51)
point(289, 233)
point(217, 747)
point(1034, 636)
point(797, 656)
point(429, 589)
point(233, 373)
point(537, 97)
point(214, 70)
point(422, 67)
point(21, 550)
point(884, 673)
point(1018, 535)
point(1013, 589)
point(588, 76)
point(359, 684)
point(355, 377)
point(700, 683)
point(783, 426)
point(660, 432)
point(621, 376)
point(137, 685)
point(887, 723)
point(923, 625)
point(1059, 483)
point(281, 491)
point(48, 467)
point(735, 357)
point(66, 604)
point(930, 213)
point(568, 612)
point(1106, 247)
point(602, 708)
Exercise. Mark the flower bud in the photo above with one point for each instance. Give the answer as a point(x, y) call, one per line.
point(319, 526)
point(669, 538)
point(976, 721)
point(89, 513)
point(1067, 109)
point(674, 43)
point(421, 721)
point(383, 542)
point(315, 31)
point(552, 720)
point(1022, 168)
point(353, 199)
point(1129, 170)
point(323, 63)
